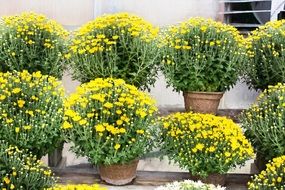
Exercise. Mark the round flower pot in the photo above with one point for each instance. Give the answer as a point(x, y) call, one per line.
point(216, 179)
point(119, 174)
point(202, 102)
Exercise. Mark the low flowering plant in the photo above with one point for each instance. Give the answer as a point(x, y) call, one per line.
point(203, 144)
point(33, 42)
point(272, 177)
point(189, 185)
point(201, 55)
point(267, 56)
point(264, 122)
point(77, 187)
point(109, 121)
point(118, 45)
point(31, 111)
point(22, 170)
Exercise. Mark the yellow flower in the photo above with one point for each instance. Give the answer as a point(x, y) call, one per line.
point(27, 127)
point(66, 125)
point(21, 103)
point(7, 180)
point(16, 90)
point(117, 146)
point(99, 128)
point(108, 105)
point(17, 129)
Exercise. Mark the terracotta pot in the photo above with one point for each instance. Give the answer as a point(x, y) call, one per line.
point(119, 174)
point(260, 162)
point(202, 102)
point(216, 179)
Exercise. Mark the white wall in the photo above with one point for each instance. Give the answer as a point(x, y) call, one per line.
point(73, 13)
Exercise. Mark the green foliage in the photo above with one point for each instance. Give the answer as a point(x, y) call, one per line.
point(266, 50)
point(32, 42)
point(119, 46)
point(31, 109)
point(109, 121)
point(201, 55)
point(19, 170)
point(203, 144)
point(272, 178)
point(264, 122)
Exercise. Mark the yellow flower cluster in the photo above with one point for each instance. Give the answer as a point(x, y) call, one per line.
point(32, 42)
point(31, 105)
point(105, 32)
point(177, 35)
point(77, 187)
point(271, 178)
point(18, 165)
point(264, 122)
point(202, 46)
point(111, 112)
point(30, 25)
point(203, 143)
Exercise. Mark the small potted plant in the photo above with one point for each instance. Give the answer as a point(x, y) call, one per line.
point(109, 122)
point(118, 45)
point(264, 124)
point(271, 178)
point(32, 42)
point(31, 109)
point(267, 56)
point(201, 58)
point(207, 146)
point(22, 170)
point(189, 185)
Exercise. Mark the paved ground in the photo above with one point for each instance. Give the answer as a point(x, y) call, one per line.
point(135, 187)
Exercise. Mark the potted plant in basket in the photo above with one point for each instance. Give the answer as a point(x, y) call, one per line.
point(266, 50)
point(206, 145)
point(202, 59)
point(118, 45)
point(264, 124)
point(32, 42)
point(109, 122)
point(31, 109)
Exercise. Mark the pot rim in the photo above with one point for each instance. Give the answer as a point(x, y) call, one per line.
point(202, 92)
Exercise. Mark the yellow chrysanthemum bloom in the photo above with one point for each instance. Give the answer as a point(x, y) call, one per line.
point(267, 55)
point(31, 106)
point(204, 144)
point(118, 45)
point(33, 42)
point(77, 187)
point(271, 178)
point(17, 164)
point(201, 55)
point(117, 121)
point(264, 122)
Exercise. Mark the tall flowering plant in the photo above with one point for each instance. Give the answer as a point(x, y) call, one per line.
point(201, 55)
point(267, 56)
point(271, 178)
point(33, 42)
point(31, 110)
point(109, 121)
point(264, 122)
point(22, 170)
point(203, 144)
point(118, 45)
